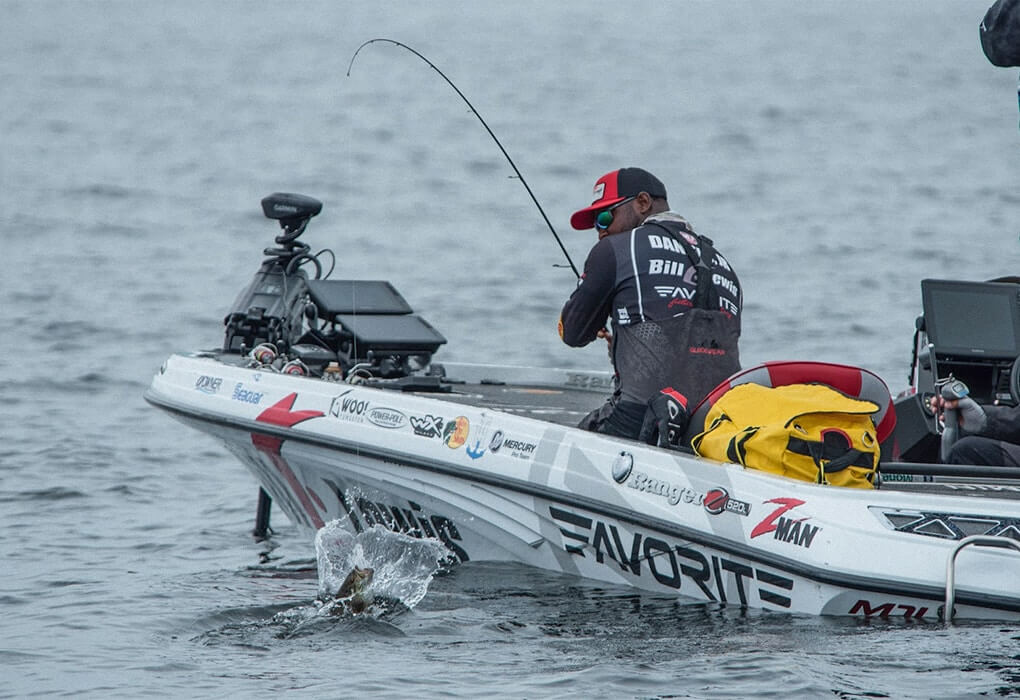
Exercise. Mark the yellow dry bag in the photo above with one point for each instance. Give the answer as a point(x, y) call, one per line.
point(809, 432)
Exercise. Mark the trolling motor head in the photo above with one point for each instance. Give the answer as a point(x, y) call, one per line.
point(293, 211)
point(270, 309)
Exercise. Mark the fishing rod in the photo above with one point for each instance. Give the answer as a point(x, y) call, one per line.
point(475, 111)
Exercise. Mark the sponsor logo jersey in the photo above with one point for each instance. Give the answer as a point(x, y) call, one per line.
point(645, 275)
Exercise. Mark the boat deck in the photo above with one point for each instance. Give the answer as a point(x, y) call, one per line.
point(562, 406)
point(564, 397)
point(565, 406)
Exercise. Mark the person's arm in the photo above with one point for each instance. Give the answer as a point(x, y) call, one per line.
point(1003, 423)
point(996, 422)
point(587, 309)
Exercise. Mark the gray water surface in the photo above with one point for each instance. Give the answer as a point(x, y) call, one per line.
point(837, 153)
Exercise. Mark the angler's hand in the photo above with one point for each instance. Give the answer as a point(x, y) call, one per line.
point(665, 420)
point(605, 333)
point(939, 404)
point(970, 416)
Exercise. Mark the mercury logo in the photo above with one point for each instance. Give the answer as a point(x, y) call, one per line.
point(496, 442)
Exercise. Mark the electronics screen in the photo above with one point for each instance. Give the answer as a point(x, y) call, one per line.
point(357, 297)
point(391, 333)
point(972, 319)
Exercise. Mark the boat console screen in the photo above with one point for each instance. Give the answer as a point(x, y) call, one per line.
point(357, 297)
point(383, 333)
point(972, 319)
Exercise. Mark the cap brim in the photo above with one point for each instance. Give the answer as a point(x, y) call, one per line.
point(585, 218)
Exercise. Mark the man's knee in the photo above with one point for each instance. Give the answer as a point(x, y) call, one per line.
point(974, 449)
point(619, 418)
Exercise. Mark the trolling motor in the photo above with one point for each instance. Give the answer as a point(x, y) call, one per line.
point(288, 322)
point(268, 310)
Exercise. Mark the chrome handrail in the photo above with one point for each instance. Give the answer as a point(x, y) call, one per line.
point(989, 540)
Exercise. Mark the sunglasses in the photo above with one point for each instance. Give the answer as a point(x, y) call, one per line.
point(605, 217)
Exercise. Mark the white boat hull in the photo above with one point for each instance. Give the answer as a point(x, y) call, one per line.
point(501, 485)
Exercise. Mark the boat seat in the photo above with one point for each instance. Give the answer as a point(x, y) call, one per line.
point(853, 381)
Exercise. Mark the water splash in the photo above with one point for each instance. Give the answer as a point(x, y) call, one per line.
point(403, 566)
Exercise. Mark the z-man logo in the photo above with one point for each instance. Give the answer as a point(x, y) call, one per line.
point(786, 529)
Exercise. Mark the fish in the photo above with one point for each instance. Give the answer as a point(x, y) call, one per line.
point(354, 595)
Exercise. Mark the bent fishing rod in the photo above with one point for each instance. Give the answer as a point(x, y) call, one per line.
point(475, 112)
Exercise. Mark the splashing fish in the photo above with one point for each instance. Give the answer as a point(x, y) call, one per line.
point(354, 597)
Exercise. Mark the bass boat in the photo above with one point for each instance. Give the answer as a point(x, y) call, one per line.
point(328, 392)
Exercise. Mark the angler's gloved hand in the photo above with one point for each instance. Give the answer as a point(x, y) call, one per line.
point(958, 411)
point(954, 399)
point(972, 417)
point(665, 420)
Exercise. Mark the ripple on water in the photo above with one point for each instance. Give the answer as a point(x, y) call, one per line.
point(50, 494)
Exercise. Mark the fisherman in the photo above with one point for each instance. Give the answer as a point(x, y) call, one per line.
point(674, 302)
point(993, 432)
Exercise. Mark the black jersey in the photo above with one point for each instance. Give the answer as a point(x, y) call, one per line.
point(646, 274)
point(646, 282)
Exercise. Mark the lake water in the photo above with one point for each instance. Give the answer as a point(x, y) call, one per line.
point(837, 153)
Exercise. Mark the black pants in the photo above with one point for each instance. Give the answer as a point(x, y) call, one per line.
point(973, 449)
point(618, 418)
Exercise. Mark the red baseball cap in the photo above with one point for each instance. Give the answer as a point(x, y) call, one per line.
point(615, 187)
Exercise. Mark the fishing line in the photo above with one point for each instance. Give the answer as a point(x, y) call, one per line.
point(475, 111)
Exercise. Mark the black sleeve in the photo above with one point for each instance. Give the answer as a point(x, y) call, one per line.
point(1003, 423)
point(588, 308)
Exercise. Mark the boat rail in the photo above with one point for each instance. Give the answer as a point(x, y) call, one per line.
point(987, 540)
